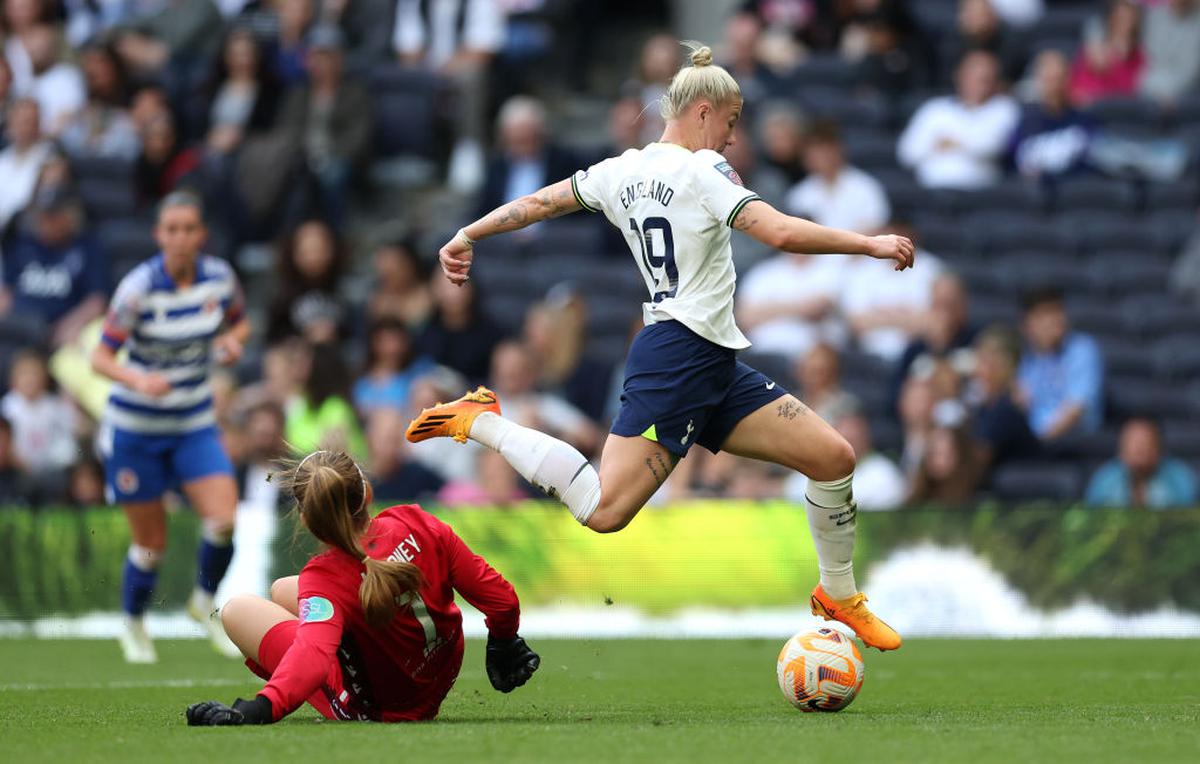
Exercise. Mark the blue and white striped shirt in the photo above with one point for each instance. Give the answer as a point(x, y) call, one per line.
point(170, 329)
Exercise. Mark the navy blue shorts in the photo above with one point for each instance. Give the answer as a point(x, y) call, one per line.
point(682, 389)
point(144, 467)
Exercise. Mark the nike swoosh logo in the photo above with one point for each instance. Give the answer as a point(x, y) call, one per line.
point(770, 385)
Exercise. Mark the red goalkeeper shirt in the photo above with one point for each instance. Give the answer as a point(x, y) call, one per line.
point(420, 650)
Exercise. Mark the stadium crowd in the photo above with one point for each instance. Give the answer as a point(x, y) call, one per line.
point(1042, 154)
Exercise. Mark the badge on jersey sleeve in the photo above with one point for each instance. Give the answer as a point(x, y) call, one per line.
point(314, 609)
point(727, 170)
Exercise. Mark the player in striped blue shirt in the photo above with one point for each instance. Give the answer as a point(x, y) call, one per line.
point(175, 313)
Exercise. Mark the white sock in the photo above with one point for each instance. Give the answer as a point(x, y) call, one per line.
point(144, 558)
point(831, 520)
point(556, 468)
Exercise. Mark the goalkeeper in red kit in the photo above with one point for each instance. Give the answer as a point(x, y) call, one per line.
point(369, 629)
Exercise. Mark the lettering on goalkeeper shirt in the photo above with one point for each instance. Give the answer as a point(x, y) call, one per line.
point(406, 550)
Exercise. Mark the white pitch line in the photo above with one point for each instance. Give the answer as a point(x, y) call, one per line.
point(129, 684)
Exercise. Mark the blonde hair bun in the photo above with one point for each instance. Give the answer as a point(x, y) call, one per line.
point(701, 54)
point(702, 79)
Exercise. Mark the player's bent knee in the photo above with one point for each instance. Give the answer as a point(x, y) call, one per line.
point(607, 523)
point(237, 610)
point(837, 461)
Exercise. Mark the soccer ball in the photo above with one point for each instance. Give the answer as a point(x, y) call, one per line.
point(820, 670)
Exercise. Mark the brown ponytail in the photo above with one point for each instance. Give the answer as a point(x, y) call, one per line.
point(333, 497)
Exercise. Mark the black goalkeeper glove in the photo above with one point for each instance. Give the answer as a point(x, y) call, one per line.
point(210, 713)
point(510, 663)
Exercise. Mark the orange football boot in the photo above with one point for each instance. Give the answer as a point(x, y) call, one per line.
point(854, 613)
point(452, 420)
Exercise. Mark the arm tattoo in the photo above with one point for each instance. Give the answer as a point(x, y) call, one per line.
point(790, 409)
point(556, 203)
point(745, 220)
point(510, 214)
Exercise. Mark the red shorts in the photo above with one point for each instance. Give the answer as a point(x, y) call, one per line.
point(341, 700)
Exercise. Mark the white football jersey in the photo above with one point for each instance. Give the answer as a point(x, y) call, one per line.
point(675, 208)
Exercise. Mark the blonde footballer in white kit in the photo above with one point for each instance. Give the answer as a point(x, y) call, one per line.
point(676, 201)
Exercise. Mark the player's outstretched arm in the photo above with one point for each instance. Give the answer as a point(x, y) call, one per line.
point(552, 201)
point(792, 234)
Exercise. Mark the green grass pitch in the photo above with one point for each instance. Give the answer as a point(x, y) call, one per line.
point(638, 701)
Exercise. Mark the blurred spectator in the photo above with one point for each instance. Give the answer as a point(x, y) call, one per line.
point(43, 425)
point(164, 164)
point(1062, 373)
point(781, 140)
point(363, 22)
point(85, 484)
point(835, 193)
point(979, 27)
point(21, 161)
point(328, 123)
point(1052, 138)
point(884, 319)
point(556, 334)
point(957, 141)
point(459, 334)
point(168, 38)
point(946, 334)
point(54, 270)
point(513, 377)
point(285, 367)
point(243, 93)
point(1171, 39)
point(624, 128)
point(739, 56)
point(526, 160)
point(20, 18)
point(395, 477)
point(456, 40)
point(915, 410)
point(895, 58)
point(146, 104)
point(308, 302)
point(878, 482)
point(400, 285)
point(262, 433)
point(1111, 60)
point(1141, 476)
point(102, 128)
point(946, 475)
point(659, 61)
point(295, 18)
point(390, 369)
point(323, 416)
point(12, 491)
point(788, 303)
point(1001, 430)
point(55, 84)
point(819, 374)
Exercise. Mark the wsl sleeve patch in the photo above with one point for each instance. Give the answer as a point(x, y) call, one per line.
point(727, 170)
point(314, 609)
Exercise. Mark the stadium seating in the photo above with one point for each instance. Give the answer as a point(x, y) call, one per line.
point(1033, 481)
